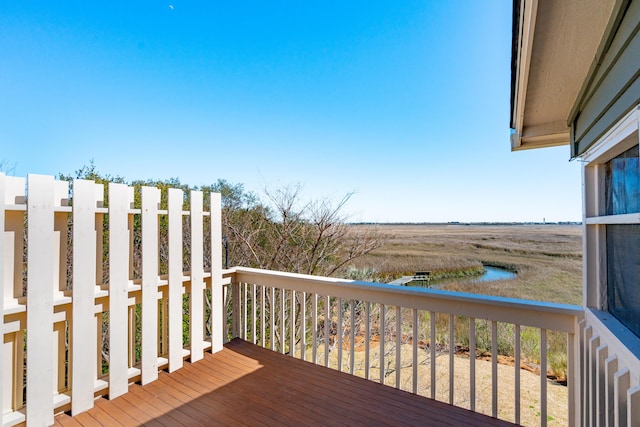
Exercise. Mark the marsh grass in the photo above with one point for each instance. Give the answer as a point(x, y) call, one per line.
point(546, 258)
point(530, 384)
point(353, 358)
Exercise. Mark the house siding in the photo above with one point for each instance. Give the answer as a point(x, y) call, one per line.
point(614, 86)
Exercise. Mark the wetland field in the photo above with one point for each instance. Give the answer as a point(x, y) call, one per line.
point(547, 260)
point(546, 257)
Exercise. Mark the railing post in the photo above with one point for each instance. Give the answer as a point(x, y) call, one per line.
point(490, 312)
point(254, 311)
point(314, 326)
point(292, 323)
point(573, 381)
point(40, 291)
point(83, 330)
point(585, 386)
point(242, 310)
point(382, 338)
point(472, 369)
point(150, 202)
point(175, 201)
point(3, 406)
point(218, 308)
point(235, 308)
point(494, 369)
point(594, 343)
point(452, 352)
point(196, 300)
point(327, 328)
point(633, 406)
point(283, 331)
point(414, 355)
point(621, 383)
point(340, 334)
point(12, 222)
point(120, 244)
point(352, 338)
point(398, 346)
point(262, 316)
point(367, 340)
point(432, 351)
point(517, 364)
point(543, 377)
point(611, 367)
point(272, 319)
point(303, 327)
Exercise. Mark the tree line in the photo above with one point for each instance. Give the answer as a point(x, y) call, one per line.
point(278, 231)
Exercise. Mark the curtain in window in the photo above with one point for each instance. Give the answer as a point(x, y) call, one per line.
point(622, 185)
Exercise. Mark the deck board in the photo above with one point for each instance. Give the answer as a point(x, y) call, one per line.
point(248, 385)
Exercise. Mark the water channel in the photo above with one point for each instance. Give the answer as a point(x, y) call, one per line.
point(491, 274)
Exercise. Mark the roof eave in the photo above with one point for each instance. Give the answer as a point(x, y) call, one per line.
point(518, 142)
point(522, 47)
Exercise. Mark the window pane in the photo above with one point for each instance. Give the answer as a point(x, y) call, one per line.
point(623, 274)
point(622, 185)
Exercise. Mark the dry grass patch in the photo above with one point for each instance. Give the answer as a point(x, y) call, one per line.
point(529, 383)
point(547, 258)
point(548, 263)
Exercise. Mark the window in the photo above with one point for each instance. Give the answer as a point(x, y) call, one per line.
point(612, 223)
point(622, 183)
point(623, 274)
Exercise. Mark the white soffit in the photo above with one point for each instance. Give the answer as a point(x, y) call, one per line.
point(558, 43)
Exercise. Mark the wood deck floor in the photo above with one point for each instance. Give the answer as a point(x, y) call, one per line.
point(247, 385)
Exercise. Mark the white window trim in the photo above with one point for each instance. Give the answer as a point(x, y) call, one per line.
point(605, 149)
point(620, 138)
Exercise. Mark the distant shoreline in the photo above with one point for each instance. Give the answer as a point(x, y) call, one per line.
point(469, 223)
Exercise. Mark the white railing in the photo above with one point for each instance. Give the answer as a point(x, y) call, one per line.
point(96, 295)
point(85, 307)
point(359, 327)
point(610, 372)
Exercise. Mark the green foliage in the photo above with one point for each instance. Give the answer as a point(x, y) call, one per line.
point(366, 274)
point(280, 234)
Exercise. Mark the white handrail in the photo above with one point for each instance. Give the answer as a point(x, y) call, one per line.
point(337, 323)
point(538, 314)
point(603, 374)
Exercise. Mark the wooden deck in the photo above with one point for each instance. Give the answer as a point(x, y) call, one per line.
point(247, 385)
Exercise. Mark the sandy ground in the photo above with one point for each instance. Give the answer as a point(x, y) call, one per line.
point(529, 383)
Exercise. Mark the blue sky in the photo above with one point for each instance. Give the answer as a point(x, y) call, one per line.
point(406, 104)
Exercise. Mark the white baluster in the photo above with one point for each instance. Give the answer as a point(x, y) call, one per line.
point(40, 292)
point(196, 300)
point(218, 302)
point(382, 338)
point(494, 369)
point(398, 346)
point(175, 201)
point(367, 340)
point(414, 341)
point(150, 202)
point(83, 331)
point(517, 372)
point(452, 352)
point(472, 363)
point(432, 351)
